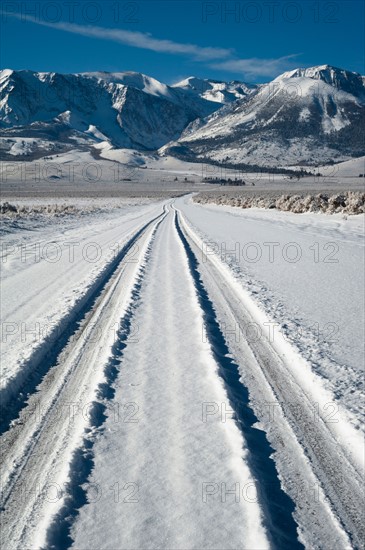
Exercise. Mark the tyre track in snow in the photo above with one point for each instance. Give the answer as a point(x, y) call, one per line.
point(58, 536)
point(40, 296)
point(332, 515)
point(14, 395)
point(38, 448)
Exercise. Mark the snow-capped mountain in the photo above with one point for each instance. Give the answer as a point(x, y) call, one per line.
point(126, 109)
point(215, 90)
point(341, 79)
point(306, 116)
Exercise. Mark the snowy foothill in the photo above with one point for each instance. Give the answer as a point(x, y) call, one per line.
point(112, 172)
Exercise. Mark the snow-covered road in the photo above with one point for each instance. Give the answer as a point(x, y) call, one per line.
point(171, 453)
point(153, 423)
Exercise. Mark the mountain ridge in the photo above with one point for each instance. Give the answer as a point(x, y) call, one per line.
point(303, 116)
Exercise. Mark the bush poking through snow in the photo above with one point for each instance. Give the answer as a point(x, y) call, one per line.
point(350, 202)
point(12, 210)
point(7, 208)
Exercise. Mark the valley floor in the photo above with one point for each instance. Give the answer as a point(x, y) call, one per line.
point(182, 376)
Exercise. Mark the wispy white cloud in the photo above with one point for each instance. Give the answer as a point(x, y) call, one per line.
point(216, 58)
point(253, 67)
point(136, 39)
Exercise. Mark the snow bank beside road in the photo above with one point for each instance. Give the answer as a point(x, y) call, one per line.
point(347, 203)
point(60, 207)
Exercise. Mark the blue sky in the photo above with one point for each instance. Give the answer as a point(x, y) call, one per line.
point(245, 40)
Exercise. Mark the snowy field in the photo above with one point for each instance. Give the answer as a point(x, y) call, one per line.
point(128, 173)
point(178, 375)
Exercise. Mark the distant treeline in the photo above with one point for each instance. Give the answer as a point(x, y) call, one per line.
point(223, 181)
